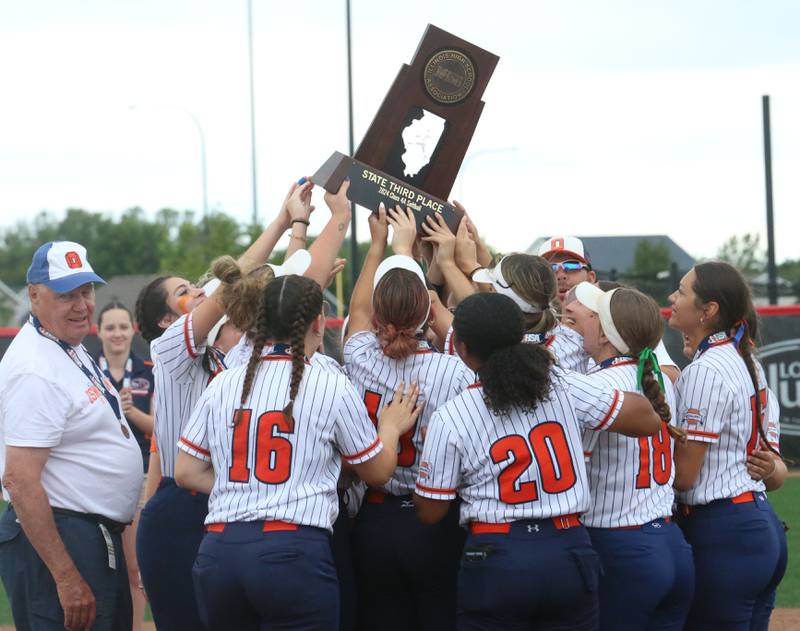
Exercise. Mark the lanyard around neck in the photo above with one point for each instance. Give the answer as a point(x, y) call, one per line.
point(94, 375)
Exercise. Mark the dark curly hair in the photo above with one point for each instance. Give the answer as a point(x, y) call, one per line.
point(513, 374)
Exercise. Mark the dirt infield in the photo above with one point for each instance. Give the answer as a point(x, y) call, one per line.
point(782, 620)
point(785, 620)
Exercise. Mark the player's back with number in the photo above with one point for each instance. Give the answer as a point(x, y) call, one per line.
point(268, 470)
point(376, 377)
point(510, 448)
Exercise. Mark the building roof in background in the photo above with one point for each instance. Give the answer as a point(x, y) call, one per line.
point(616, 252)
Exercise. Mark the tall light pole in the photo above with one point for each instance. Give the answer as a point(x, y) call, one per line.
point(201, 135)
point(470, 158)
point(252, 111)
point(355, 268)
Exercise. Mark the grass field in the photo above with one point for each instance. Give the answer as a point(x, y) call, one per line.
point(785, 501)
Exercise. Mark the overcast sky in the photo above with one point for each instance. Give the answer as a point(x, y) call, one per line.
point(613, 117)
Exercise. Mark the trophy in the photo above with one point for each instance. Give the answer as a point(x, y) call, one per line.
point(412, 151)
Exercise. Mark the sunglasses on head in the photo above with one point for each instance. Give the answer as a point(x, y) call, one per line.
point(568, 266)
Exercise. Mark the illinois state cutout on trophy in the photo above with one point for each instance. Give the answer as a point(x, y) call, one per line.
point(416, 143)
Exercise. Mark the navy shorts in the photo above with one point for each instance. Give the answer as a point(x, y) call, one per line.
point(32, 591)
point(738, 556)
point(406, 571)
point(246, 579)
point(534, 577)
point(648, 577)
point(169, 534)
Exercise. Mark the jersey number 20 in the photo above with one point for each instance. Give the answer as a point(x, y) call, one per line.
point(548, 444)
point(273, 454)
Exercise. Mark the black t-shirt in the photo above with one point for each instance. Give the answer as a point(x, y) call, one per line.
point(141, 385)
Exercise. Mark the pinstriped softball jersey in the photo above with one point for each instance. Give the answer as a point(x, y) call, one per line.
point(522, 466)
point(716, 405)
point(376, 376)
point(263, 469)
point(662, 355)
point(180, 379)
point(773, 426)
point(565, 344)
point(239, 355)
point(630, 478)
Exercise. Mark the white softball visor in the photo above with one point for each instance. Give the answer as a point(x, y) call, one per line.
point(400, 261)
point(599, 301)
point(297, 264)
point(494, 277)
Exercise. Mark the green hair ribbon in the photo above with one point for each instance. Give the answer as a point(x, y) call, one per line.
point(646, 355)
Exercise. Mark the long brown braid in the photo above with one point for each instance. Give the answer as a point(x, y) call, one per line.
point(638, 321)
point(260, 340)
point(722, 283)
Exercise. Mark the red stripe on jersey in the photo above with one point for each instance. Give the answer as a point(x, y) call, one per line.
point(631, 362)
point(363, 451)
point(197, 448)
point(477, 384)
point(694, 432)
point(450, 348)
point(610, 411)
point(430, 489)
point(186, 339)
point(549, 341)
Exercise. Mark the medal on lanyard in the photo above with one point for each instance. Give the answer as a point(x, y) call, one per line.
point(95, 376)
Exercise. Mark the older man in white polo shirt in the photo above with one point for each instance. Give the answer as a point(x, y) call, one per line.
point(69, 465)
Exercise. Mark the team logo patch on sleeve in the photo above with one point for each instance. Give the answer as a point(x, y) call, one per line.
point(424, 470)
point(693, 416)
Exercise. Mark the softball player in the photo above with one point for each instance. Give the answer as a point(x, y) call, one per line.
point(648, 572)
point(722, 397)
point(175, 317)
point(265, 440)
point(406, 571)
point(529, 282)
point(510, 448)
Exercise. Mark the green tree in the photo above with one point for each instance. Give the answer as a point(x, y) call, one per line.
point(745, 253)
point(650, 258)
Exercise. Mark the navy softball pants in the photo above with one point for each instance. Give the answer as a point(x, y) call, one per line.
point(171, 527)
point(648, 577)
point(739, 556)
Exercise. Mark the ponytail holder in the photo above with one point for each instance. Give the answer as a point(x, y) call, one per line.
point(741, 329)
point(646, 355)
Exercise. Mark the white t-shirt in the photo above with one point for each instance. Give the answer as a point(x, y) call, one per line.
point(46, 401)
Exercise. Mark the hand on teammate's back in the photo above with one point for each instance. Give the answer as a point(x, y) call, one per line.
point(77, 601)
point(403, 411)
point(404, 230)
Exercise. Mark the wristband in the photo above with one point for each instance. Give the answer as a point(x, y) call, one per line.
point(472, 273)
point(303, 221)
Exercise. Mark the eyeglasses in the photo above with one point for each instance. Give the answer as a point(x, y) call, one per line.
point(568, 266)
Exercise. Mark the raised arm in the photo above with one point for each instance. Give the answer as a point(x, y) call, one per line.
point(438, 233)
point(298, 205)
point(482, 252)
point(360, 313)
point(329, 242)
